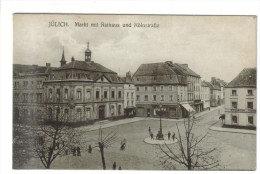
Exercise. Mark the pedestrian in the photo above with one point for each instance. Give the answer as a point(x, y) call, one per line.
point(74, 151)
point(169, 135)
point(78, 151)
point(89, 149)
point(63, 143)
point(151, 136)
point(149, 130)
point(173, 136)
point(114, 166)
point(123, 144)
point(119, 168)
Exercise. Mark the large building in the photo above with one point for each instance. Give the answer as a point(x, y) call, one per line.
point(83, 90)
point(240, 99)
point(193, 86)
point(161, 83)
point(28, 91)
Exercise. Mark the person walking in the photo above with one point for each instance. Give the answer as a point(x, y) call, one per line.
point(89, 149)
point(149, 130)
point(169, 135)
point(78, 151)
point(151, 136)
point(114, 166)
point(173, 136)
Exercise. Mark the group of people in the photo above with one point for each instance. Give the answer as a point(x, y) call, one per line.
point(114, 166)
point(76, 151)
point(157, 136)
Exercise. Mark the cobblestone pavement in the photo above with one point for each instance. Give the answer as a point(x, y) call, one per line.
point(234, 151)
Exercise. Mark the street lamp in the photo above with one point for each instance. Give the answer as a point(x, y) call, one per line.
point(160, 110)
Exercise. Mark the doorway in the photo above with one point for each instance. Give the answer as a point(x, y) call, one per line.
point(101, 112)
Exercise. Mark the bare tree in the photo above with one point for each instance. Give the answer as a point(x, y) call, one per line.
point(105, 142)
point(190, 153)
point(51, 140)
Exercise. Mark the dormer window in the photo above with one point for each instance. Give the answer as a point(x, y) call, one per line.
point(234, 92)
point(250, 92)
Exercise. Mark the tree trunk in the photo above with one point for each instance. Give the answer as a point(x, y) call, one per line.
point(103, 157)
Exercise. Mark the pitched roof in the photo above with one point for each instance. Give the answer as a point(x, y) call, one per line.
point(186, 70)
point(159, 73)
point(153, 69)
point(211, 86)
point(246, 78)
point(205, 84)
point(85, 66)
point(19, 69)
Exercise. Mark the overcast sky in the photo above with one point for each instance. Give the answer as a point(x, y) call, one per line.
point(218, 46)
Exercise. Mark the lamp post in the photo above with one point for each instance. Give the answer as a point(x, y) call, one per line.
point(160, 110)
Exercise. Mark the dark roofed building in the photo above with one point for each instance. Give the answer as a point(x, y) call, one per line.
point(246, 78)
point(240, 100)
point(161, 83)
point(84, 90)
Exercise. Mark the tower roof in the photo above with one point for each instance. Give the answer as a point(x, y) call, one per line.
point(63, 56)
point(88, 50)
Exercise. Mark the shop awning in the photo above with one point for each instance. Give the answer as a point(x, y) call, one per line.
point(188, 107)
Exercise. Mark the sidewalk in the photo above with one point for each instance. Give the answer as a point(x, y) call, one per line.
point(107, 124)
point(197, 115)
point(218, 127)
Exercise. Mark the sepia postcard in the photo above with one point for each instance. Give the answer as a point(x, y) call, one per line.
point(134, 92)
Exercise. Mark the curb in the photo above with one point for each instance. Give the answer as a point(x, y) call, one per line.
point(231, 130)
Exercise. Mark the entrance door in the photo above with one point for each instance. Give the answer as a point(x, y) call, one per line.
point(101, 112)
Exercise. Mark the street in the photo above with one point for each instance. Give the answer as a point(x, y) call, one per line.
point(235, 151)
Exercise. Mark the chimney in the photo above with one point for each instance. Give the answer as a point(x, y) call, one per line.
point(72, 59)
point(48, 65)
point(186, 65)
point(213, 80)
point(169, 62)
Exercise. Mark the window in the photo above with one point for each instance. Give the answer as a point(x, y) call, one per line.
point(250, 119)
point(88, 95)
point(58, 94)
point(234, 119)
point(50, 93)
point(39, 97)
point(97, 94)
point(146, 98)
point(154, 88)
point(67, 75)
point(113, 94)
point(154, 97)
point(137, 97)
point(127, 102)
point(25, 98)
point(161, 88)
point(50, 113)
point(78, 76)
point(119, 94)
point(119, 110)
point(112, 110)
point(132, 95)
point(162, 97)
point(39, 84)
point(79, 113)
point(66, 114)
point(57, 113)
point(170, 88)
point(234, 105)
point(66, 93)
point(78, 94)
point(234, 92)
point(171, 98)
point(137, 88)
point(105, 94)
point(127, 94)
point(249, 92)
point(88, 112)
point(146, 88)
point(137, 79)
point(32, 85)
point(250, 105)
point(25, 84)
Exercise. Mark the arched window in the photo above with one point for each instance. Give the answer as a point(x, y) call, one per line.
point(79, 113)
point(119, 110)
point(66, 114)
point(66, 93)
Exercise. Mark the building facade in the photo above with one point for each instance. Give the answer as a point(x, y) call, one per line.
point(161, 83)
point(28, 92)
point(129, 96)
point(83, 90)
point(240, 99)
point(205, 95)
